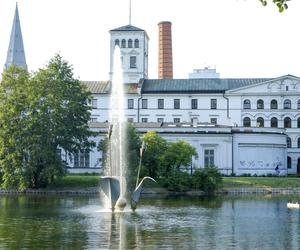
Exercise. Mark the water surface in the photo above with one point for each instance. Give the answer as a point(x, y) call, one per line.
point(28, 222)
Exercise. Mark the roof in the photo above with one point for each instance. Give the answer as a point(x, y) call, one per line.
point(97, 87)
point(128, 27)
point(15, 53)
point(104, 87)
point(205, 85)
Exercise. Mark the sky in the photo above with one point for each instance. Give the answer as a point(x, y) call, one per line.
point(240, 38)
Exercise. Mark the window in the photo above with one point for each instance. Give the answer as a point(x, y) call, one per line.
point(144, 103)
point(274, 104)
point(136, 43)
point(133, 62)
point(130, 104)
point(287, 88)
point(288, 142)
point(298, 104)
point(94, 103)
point(160, 120)
point(144, 119)
point(117, 42)
point(58, 153)
point(247, 104)
point(287, 104)
point(93, 119)
point(213, 120)
point(260, 122)
point(194, 103)
point(129, 43)
point(160, 103)
point(82, 159)
point(209, 157)
point(287, 122)
point(123, 43)
point(298, 122)
point(247, 122)
point(260, 104)
point(213, 103)
point(289, 162)
point(176, 103)
point(176, 120)
point(130, 120)
point(274, 122)
point(298, 144)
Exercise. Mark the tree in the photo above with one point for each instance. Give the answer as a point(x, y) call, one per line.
point(281, 4)
point(156, 146)
point(41, 114)
point(178, 154)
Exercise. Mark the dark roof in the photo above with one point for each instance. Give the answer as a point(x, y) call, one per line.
point(205, 85)
point(127, 28)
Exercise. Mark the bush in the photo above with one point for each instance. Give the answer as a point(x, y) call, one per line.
point(208, 179)
point(176, 181)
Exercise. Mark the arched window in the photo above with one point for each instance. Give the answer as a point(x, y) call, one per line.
point(289, 162)
point(274, 122)
point(287, 122)
point(117, 42)
point(129, 43)
point(288, 142)
point(298, 144)
point(246, 122)
point(260, 104)
point(136, 43)
point(247, 104)
point(274, 104)
point(260, 122)
point(123, 43)
point(287, 104)
point(298, 104)
point(298, 122)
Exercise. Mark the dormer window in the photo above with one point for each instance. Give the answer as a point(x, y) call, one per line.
point(123, 43)
point(136, 43)
point(129, 43)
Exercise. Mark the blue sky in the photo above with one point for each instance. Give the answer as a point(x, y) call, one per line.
point(238, 37)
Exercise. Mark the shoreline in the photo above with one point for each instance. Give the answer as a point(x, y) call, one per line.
point(156, 192)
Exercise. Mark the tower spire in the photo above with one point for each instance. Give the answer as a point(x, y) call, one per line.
point(15, 53)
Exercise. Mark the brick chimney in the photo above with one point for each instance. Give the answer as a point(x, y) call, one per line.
point(165, 58)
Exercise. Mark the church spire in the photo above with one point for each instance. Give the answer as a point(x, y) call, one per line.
point(15, 53)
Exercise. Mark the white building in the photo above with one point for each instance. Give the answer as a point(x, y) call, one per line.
point(243, 126)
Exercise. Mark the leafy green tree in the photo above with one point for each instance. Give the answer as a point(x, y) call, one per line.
point(281, 4)
point(152, 158)
point(177, 155)
point(41, 114)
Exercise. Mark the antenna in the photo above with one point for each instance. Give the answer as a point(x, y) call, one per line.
point(130, 12)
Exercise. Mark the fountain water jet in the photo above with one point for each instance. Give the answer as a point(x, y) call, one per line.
point(114, 183)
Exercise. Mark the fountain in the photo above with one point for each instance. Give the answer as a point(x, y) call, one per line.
point(114, 183)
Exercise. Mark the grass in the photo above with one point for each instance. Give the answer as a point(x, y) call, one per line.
point(85, 181)
point(77, 181)
point(261, 182)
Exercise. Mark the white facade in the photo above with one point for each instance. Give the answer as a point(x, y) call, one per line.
point(133, 43)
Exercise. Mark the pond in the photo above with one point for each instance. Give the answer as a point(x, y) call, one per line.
point(249, 222)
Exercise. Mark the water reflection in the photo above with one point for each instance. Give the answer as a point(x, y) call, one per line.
point(81, 223)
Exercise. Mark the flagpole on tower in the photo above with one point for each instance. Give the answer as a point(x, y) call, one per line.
point(130, 12)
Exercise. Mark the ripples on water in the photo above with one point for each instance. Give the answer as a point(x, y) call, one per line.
point(81, 223)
